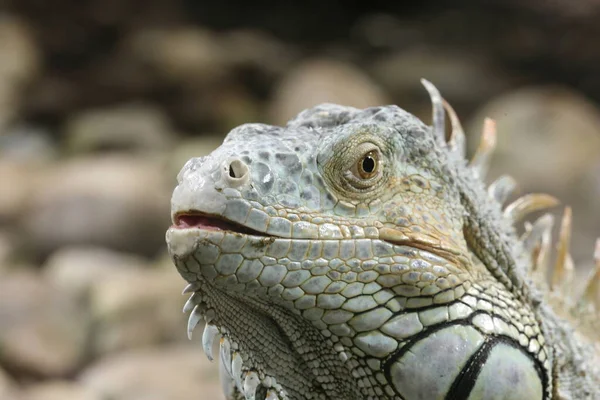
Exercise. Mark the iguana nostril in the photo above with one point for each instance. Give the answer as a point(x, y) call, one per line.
point(237, 171)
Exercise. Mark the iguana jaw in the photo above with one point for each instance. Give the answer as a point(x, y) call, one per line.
point(225, 267)
point(232, 312)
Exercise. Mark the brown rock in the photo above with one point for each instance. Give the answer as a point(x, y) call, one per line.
point(549, 135)
point(7, 387)
point(76, 269)
point(18, 51)
point(194, 147)
point(323, 81)
point(120, 202)
point(462, 78)
point(20, 64)
point(248, 48)
point(174, 373)
point(59, 390)
point(129, 127)
point(136, 309)
point(186, 55)
point(8, 251)
point(549, 141)
point(43, 331)
point(20, 178)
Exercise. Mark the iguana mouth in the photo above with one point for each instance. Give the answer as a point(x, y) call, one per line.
point(209, 222)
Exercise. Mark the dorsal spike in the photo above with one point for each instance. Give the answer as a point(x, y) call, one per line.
point(542, 257)
point(591, 292)
point(563, 269)
point(537, 241)
point(534, 232)
point(527, 204)
point(501, 189)
point(457, 144)
point(481, 159)
point(438, 123)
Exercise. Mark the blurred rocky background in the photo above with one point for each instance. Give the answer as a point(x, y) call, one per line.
point(102, 101)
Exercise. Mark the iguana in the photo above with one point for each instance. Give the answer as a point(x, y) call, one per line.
point(356, 254)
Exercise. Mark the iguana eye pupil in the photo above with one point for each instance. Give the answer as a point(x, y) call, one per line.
point(367, 165)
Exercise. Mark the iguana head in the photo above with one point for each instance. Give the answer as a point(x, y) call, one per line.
point(319, 250)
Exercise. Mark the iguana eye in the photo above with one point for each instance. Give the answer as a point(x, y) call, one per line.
point(362, 167)
point(367, 165)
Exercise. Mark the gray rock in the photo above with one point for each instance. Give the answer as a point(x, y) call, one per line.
point(318, 81)
point(174, 373)
point(135, 127)
point(120, 202)
point(43, 332)
point(549, 141)
point(59, 390)
point(26, 143)
point(76, 269)
point(135, 309)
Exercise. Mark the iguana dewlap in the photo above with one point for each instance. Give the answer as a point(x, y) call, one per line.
point(356, 254)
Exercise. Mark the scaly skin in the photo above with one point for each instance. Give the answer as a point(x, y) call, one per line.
point(354, 254)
